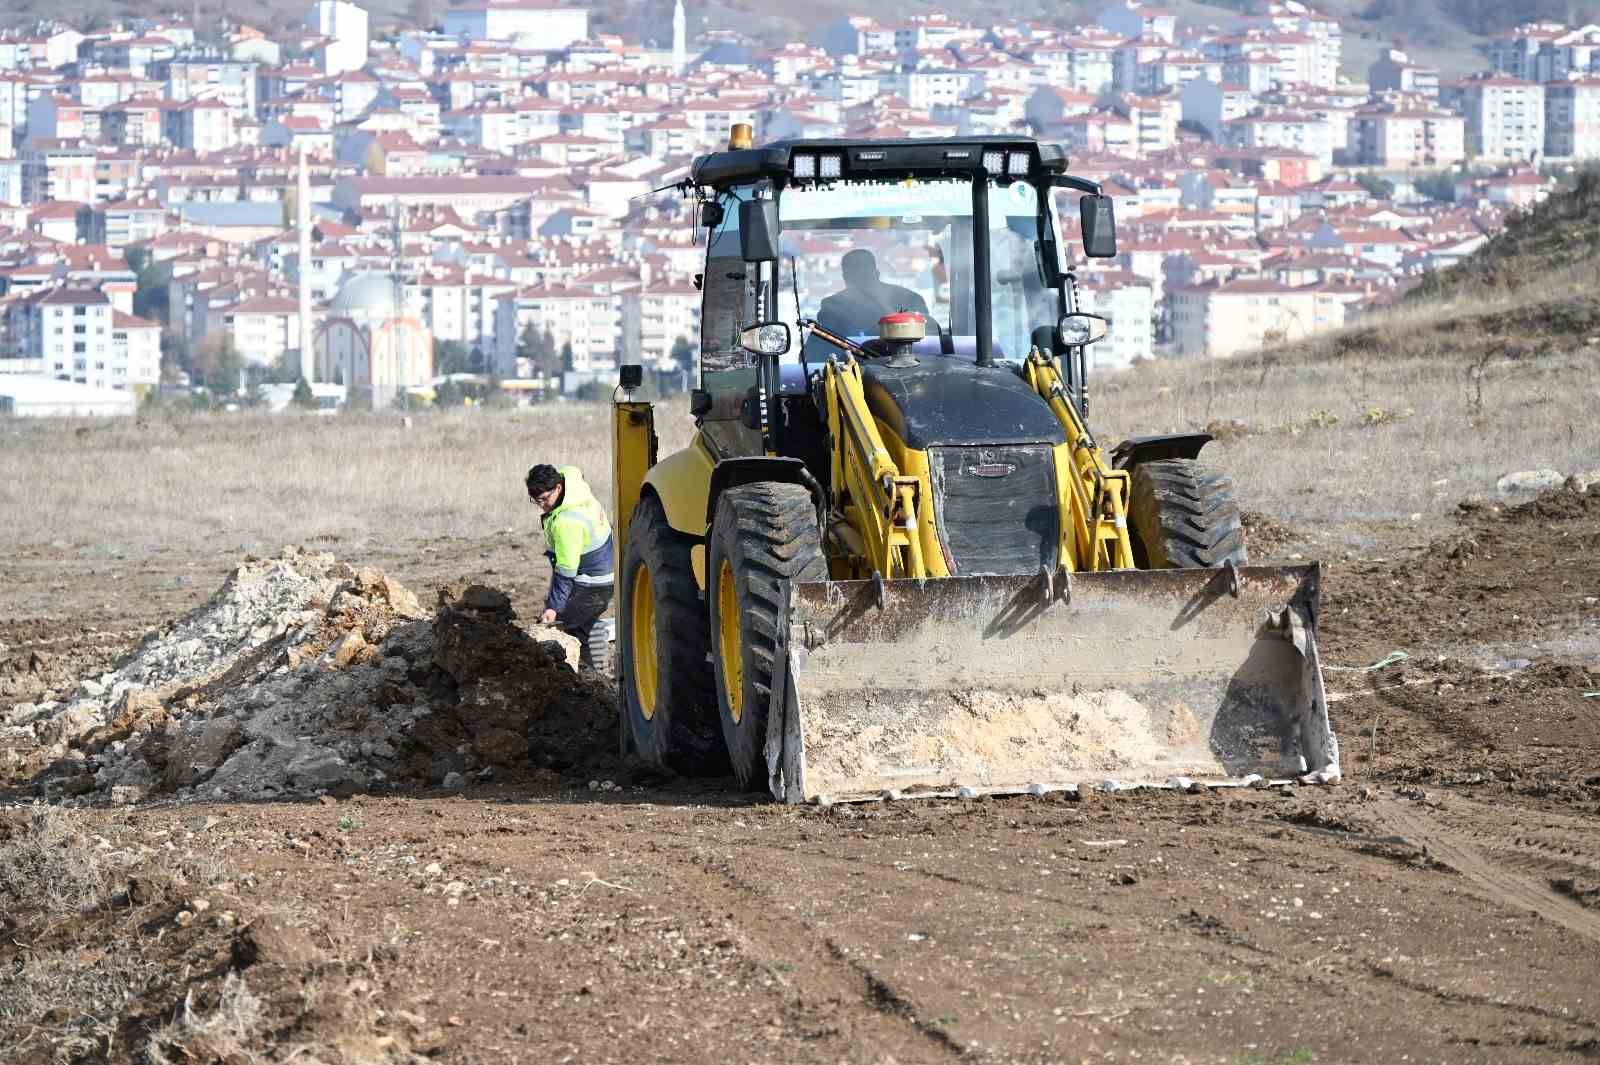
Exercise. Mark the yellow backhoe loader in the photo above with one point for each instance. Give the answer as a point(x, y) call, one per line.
point(893, 560)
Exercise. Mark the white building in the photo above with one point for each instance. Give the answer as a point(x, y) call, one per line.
point(1301, 132)
point(135, 353)
point(263, 329)
point(1572, 118)
point(552, 26)
point(587, 319)
point(1127, 301)
point(655, 317)
point(76, 334)
point(1504, 115)
point(27, 396)
point(345, 26)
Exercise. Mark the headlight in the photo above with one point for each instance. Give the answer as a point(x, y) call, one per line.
point(805, 167)
point(832, 166)
point(1017, 164)
point(772, 338)
point(994, 163)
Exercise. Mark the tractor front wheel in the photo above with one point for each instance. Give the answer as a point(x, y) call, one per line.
point(662, 647)
point(1184, 516)
point(764, 536)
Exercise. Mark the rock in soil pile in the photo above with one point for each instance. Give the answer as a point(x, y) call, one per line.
point(303, 675)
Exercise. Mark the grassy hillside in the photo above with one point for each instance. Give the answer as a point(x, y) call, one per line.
point(1488, 367)
point(1557, 242)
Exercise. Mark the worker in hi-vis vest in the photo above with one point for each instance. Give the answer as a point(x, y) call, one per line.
point(579, 546)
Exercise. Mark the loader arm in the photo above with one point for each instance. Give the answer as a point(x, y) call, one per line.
point(1094, 503)
point(872, 496)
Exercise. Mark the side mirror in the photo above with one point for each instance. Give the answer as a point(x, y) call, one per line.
point(758, 230)
point(1076, 330)
point(768, 338)
point(1099, 226)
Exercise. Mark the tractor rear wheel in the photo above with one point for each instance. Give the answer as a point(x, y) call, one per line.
point(662, 647)
point(764, 536)
point(1184, 516)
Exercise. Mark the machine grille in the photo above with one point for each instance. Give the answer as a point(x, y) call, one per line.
point(996, 507)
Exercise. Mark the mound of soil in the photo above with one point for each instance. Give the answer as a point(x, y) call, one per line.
point(303, 675)
point(1501, 620)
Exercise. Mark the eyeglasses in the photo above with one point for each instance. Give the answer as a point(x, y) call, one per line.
point(544, 498)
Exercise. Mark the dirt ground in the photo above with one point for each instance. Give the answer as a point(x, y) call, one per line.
point(1441, 905)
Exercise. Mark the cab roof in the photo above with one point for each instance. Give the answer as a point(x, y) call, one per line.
point(864, 157)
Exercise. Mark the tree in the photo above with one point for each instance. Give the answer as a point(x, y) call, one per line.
point(420, 14)
point(683, 354)
point(540, 351)
point(303, 396)
point(255, 395)
point(1440, 186)
point(150, 297)
point(567, 359)
point(450, 356)
point(220, 363)
point(1376, 186)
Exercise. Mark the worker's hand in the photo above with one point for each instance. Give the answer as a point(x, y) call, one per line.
point(548, 617)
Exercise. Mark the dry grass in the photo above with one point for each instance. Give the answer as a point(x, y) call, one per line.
point(48, 866)
point(67, 999)
point(213, 483)
point(1406, 414)
point(231, 1031)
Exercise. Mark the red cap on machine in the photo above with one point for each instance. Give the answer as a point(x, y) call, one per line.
point(902, 325)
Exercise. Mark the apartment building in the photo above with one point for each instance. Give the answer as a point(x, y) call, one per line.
point(655, 316)
point(1572, 118)
point(589, 320)
point(1504, 115)
point(1222, 318)
point(1400, 137)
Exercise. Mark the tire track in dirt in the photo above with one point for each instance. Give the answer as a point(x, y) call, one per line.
point(1262, 957)
point(823, 964)
point(1570, 843)
point(1455, 849)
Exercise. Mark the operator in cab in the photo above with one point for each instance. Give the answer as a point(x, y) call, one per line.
point(580, 549)
point(865, 298)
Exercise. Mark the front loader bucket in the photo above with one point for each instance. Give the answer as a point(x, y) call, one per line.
point(983, 685)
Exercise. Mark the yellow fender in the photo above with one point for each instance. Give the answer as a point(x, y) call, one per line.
point(682, 481)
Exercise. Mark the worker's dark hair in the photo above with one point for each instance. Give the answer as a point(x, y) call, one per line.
point(544, 477)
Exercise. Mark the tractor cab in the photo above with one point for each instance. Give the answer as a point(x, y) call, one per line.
point(820, 249)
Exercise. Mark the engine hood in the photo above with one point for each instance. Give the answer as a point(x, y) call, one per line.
point(947, 399)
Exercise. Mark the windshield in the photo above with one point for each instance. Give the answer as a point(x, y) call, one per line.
point(853, 251)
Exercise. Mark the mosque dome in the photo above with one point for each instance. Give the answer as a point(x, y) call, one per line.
point(371, 295)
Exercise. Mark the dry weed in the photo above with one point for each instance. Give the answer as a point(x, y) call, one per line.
point(230, 1031)
point(50, 867)
point(69, 1000)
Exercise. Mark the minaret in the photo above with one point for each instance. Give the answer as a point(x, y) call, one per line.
point(303, 210)
point(680, 38)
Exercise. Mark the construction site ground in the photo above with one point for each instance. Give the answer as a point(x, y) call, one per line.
point(1440, 905)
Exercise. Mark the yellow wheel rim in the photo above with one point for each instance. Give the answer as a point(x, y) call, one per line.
point(729, 642)
point(646, 670)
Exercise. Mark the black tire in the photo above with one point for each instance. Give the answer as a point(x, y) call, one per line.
point(767, 534)
point(679, 731)
point(1183, 515)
